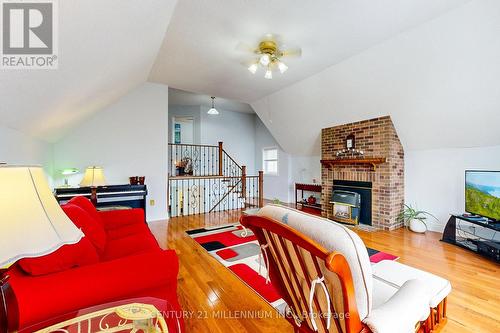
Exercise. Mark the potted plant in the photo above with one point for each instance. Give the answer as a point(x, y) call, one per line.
point(414, 219)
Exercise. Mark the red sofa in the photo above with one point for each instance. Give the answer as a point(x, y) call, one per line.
point(117, 259)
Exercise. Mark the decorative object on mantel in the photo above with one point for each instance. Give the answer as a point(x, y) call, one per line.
point(350, 148)
point(415, 219)
point(373, 161)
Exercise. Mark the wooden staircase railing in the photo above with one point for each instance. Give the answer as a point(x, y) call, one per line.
point(205, 179)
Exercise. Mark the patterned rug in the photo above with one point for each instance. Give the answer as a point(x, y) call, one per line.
point(238, 250)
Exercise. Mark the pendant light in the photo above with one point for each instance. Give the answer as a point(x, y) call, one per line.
point(213, 110)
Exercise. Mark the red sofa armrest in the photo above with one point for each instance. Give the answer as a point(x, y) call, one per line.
point(42, 297)
point(113, 219)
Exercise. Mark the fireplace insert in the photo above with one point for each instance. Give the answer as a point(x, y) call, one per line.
point(364, 190)
point(346, 206)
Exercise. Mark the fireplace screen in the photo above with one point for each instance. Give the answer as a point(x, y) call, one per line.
point(346, 206)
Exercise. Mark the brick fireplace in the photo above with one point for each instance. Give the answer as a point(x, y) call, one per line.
point(381, 165)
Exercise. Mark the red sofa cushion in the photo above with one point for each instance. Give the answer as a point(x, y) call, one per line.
point(90, 227)
point(128, 230)
point(68, 256)
point(87, 206)
point(130, 245)
point(117, 219)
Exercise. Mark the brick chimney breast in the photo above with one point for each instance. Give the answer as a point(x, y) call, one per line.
point(377, 138)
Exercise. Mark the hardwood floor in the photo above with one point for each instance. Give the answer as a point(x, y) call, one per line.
point(215, 299)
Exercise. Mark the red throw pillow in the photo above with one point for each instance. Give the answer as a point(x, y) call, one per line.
point(68, 256)
point(87, 206)
point(90, 227)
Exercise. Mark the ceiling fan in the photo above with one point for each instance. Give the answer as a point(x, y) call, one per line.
point(269, 54)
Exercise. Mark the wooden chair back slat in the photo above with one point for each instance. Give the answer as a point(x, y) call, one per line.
point(295, 261)
point(286, 283)
point(308, 279)
point(298, 285)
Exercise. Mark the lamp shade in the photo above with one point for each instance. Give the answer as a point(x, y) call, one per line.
point(93, 177)
point(69, 171)
point(32, 223)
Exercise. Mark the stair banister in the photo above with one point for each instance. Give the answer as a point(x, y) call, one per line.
point(261, 188)
point(221, 150)
point(244, 182)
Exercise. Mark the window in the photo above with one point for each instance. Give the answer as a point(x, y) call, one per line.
point(270, 161)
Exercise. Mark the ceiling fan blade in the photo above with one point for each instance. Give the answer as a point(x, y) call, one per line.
point(244, 47)
point(295, 52)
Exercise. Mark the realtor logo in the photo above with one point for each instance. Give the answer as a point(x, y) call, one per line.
point(29, 38)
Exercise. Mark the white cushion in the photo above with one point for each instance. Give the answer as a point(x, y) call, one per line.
point(334, 237)
point(396, 274)
point(382, 292)
point(401, 312)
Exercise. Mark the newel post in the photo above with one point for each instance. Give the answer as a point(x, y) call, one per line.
point(261, 188)
point(220, 158)
point(244, 182)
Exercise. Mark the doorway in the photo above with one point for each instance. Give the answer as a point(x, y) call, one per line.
point(183, 130)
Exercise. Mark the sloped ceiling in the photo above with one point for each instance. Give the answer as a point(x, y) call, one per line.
point(440, 83)
point(199, 50)
point(106, 48)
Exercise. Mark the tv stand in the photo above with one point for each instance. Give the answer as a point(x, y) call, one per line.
point(474, 233)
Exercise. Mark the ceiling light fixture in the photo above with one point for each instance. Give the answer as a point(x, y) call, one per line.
point(213, 110)
point(282, 67)
point(269, 74)
point(265, 59)
point(270, 53)
point(253, 68)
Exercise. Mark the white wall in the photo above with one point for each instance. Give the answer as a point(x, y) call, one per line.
point(19, 148)
point(292, 168)
point(236, 130)
point(128, 138)
point(435, 178)
point(275, 186)
point(306, 169)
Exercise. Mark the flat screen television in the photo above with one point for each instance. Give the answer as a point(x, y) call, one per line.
point(482, 193)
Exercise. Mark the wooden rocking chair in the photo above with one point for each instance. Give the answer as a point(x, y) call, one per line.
point(316, 284)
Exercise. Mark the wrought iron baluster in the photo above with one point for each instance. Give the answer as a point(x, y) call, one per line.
point(176, 198)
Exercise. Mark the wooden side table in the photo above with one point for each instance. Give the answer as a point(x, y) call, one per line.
point(302, 204)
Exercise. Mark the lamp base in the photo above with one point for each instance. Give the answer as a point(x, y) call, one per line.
point(93, 195)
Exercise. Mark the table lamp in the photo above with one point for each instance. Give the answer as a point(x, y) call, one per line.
point(93, 177)
point(68, 172)
point(32, 223)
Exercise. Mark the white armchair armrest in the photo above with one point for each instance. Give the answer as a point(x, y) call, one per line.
point(400, 314)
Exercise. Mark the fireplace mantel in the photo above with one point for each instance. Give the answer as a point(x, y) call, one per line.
point(373, 161)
